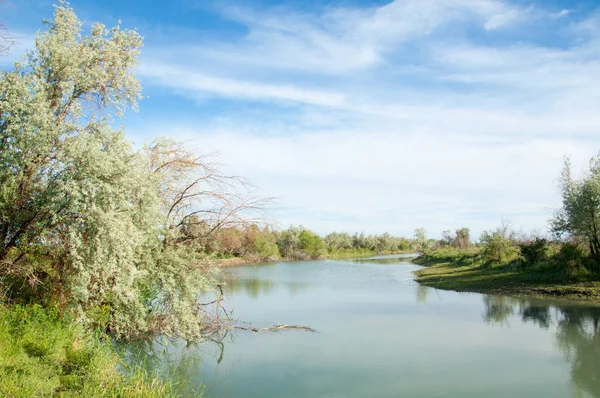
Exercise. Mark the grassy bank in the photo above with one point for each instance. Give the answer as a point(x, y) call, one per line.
point(336, 255)
point(43, 355)
point(465, 271)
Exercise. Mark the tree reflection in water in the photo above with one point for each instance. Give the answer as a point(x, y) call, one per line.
point(255, 287)
point(577, 333)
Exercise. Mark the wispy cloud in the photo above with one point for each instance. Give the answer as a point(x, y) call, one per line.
point(560, 14)
point(189, 81)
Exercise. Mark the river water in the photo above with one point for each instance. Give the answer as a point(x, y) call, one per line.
point(380, 334)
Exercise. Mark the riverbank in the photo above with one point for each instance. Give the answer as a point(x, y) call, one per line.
point(44, 355)
point(245, 261)
point(466, 273)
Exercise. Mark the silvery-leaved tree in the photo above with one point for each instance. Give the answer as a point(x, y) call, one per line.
point(82, 215)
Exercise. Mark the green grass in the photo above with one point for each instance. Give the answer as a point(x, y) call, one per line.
point(464, 271)
point(42, 355)
point(358, 253)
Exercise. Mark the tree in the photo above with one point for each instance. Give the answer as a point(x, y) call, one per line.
point(311, 243)
point(51, 109)
point(579, 216)
point(462, 239)
point(447, 238)
point(338, 241)
point(229, 241)
point(198, 199)
point(289, 242)
point(265, 246)
point(498, 245)
point(86, 221)
point(421, 241)
point(77, 209)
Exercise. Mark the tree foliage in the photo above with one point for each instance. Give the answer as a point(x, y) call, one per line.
point(311, 243)
point(498, 245)
point(579, 216)
point(86, 221)
point(421, 240)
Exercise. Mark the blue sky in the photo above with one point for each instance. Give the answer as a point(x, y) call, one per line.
point(370, 116)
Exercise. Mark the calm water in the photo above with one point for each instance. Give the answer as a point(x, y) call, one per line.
point(382, 335)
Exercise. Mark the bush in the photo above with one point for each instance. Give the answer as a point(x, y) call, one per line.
point(311, 243)
point(534, 251)
point(572, 256)
point(497, 246)
point(265, 248)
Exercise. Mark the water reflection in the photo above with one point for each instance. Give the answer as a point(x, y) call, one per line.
point(577, 333)
point(422, 293)
point(172, 360)
point(515, 347)
point(255, 287)
point(252, 287)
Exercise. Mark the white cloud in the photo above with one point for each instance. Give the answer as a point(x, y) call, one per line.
point(560, 14)
point(189, 81)
point(398, 118)
point(500, 20)
point(340, 40)
point(377, 181)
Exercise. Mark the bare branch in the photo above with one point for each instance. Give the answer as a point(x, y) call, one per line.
point(199, 199)
point(6, 39)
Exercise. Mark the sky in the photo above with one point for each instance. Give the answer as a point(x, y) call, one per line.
point(374, 116)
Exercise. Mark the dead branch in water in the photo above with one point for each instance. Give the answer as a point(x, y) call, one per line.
point(218, 321)
point(276, 328)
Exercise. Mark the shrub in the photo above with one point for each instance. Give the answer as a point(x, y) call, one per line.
point(311, 243)
point(265, 248)
point(534, 251)
point(572, 256)
point(497, 246)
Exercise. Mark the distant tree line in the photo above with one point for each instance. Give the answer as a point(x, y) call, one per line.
point(298, 243)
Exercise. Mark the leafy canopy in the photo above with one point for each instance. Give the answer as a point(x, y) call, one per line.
point(84, 218)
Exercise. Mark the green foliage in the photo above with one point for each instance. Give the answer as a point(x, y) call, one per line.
point(300, 243)
point(342, 243)
point(498, 247)
point(85, 220)
point(350, 253)
point(336, 241)
point(534, 252)
point(289, 243)
point(311, 243)
point(266, 248)
point(42, 355)
point(449, 254)
point(421, 241)
point(579, 217)
point(461, 239)
point(573, 256)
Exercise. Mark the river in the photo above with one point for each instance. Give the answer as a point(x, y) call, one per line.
point(380, 334)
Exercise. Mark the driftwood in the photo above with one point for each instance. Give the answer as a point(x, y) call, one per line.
point(276, 328)
point(218, 321)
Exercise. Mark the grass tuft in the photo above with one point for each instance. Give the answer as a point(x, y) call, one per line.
point(43, 355)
